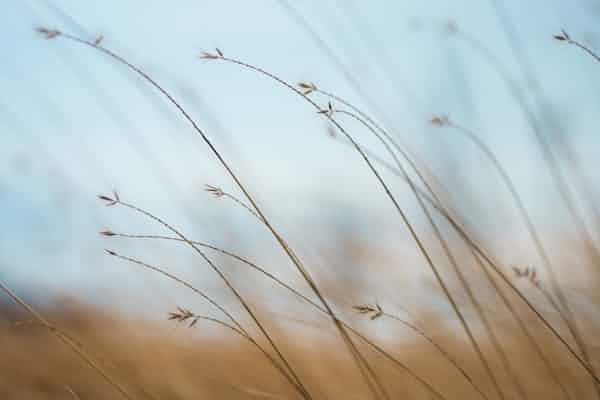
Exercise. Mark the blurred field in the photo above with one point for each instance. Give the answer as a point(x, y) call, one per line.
point(163, 360)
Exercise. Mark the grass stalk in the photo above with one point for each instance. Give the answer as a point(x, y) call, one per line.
point(226, 281)
point(564, 310)
point(94, 365)
point(295, 260)
point(236, 326)
point(293, 291)
point(450, 257)
point(434, 201)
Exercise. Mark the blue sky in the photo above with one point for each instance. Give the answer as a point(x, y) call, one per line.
point(69, 117)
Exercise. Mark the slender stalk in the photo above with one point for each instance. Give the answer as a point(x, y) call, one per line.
point(67, 342)
point(401, 148)
point(304, 24)
point(403, 216)
point(295, 260)
point(565, 37)
point(477, 254)
point(436, 203)
point(295, 292)
point(229, 285)
point(558, 178)
point(161, 271)
point(237, 327)
point(478, 308)
point(524, 62)
point(523, 326)
point(292, 290)
point(564, 311)
point(449, 255)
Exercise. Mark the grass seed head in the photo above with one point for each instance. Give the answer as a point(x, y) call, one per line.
point(48, 33)
point(110, 201)
point(215, 191)
point(562, 36)
point(206, 55)
point(183, 315)
point(528, 273)
point(375, 310)
point(307, 87)
point(441, 120)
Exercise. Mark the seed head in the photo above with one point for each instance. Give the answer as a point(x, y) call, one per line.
point(327, 111)
point(48, 33)
point(307, 87)
point(440, 120)
point(375, 310)
point(183, 315)
point(110, 201)
point(528, 273)
point(562, 36)
point(206, 55)
point(215, 191)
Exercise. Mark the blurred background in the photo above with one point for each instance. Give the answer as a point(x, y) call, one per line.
point(75, 124)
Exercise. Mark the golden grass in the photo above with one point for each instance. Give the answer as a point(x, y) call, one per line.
point(160, 360)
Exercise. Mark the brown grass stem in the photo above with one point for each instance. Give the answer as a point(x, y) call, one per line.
point(415, 237)
point(239, 297)
point(292, 290)
point(237, 327)
point(451, 258)
point(67, 342)
point(295, 260)
point(478, 249)
point(564, 36)
point(558, 178)
point(564, 310)
point(522, 325)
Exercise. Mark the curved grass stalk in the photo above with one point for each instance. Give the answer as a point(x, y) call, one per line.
point(564, 36)
point(415, 237)
point(524, 62)
point(401, 148)
point(433, 199)
point(299, 386)
point(67, 342)
point(477, 254)
point(547, 154)
point(163, 272)
point(289, 252)
point(237, 327)
point(292, 290)
point(523, 326)
point(459, 229)
point(564, 310)
point(304, 24)
point(295, 292)
point(450, 257)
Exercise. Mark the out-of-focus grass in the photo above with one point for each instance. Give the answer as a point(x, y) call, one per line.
point(156, 360)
